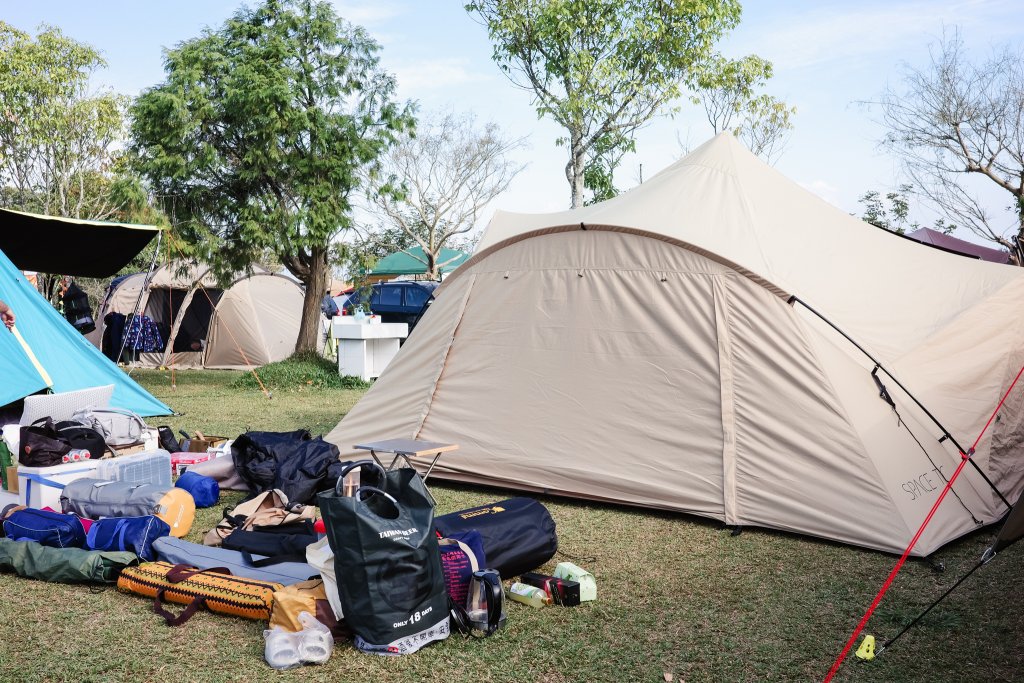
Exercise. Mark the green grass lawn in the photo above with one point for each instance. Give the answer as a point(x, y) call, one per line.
point(676, 594)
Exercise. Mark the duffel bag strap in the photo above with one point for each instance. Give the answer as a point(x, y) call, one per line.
point(180, 572)
point(176, 619)
point(268, 561)
point(177, 574)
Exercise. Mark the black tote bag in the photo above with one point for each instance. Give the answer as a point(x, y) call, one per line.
point(387, 564)
point(41, 446)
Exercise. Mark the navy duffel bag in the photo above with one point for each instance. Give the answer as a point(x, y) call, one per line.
point(132, 534)
point(518, 534)
point(46, 528)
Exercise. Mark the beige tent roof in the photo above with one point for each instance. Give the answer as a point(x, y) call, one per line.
point(645, 350)
point(253, 321)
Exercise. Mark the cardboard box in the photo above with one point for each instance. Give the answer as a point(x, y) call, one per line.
point(197, 445)
point(12, 478)
point(128, 450)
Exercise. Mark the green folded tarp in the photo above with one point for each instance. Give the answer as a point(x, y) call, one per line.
point(62, 565)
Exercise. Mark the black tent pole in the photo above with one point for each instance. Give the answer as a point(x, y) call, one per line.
point(984, 560)
point(913, 398)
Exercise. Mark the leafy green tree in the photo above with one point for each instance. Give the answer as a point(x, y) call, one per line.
point(369, 246)
point(261, 134)
point(57, 137)
point(729, 93)
point(603, 68)
point(892, 212)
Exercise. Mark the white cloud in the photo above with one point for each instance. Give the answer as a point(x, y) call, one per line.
point(830, 34)
point(368, 12)
point(417, 78)
point(822, 188)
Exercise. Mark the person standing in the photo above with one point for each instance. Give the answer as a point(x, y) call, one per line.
point(6, 314)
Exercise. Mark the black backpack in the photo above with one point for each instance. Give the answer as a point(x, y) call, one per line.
point(80, 436)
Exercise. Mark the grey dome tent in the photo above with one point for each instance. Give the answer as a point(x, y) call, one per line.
point(251, 322)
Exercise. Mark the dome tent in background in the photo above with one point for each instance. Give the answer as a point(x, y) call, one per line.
point(648, 350)
point(251, 322)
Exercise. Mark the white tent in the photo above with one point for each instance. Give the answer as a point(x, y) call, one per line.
point(649, 350)
point(251, 322)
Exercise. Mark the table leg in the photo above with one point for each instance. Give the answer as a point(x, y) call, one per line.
point(376, 459)
point(430, 468)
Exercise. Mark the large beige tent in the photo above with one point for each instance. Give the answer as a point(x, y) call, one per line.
point(251, 322)
point(648, 350)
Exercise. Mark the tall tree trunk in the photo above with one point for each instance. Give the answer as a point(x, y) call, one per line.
point(432, 264)
point(314, 278)
point(574, 169)
point(1017, 253)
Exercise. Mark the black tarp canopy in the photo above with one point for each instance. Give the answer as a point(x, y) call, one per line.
point(70, 246)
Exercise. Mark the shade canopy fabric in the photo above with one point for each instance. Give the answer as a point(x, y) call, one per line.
point(943, 241)
point(70, 246)
point(646, 350)
point(55, 353)
point(413, 261)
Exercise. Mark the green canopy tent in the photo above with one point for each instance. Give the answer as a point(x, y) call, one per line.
point(413, 261)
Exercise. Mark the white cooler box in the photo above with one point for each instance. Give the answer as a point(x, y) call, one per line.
point(148, 467)
point(40, 487)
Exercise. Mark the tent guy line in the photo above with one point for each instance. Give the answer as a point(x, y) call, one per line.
point(966, 457)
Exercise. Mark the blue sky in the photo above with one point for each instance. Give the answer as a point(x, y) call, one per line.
point(828, 56)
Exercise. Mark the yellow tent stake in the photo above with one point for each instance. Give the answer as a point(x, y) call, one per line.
point(866, 651)
point(32, 357)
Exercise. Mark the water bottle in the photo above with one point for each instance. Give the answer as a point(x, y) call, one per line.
point(528, 595)
point(76, 454)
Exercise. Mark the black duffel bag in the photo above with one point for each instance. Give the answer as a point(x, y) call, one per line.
point(279, 543)
point(518, 533)
point(80, 436)
point(292, 462)
point(41, 445)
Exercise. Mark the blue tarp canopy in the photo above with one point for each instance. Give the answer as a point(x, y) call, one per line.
point(63, 354)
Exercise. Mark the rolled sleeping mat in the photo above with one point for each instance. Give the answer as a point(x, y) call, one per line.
point(95, 498)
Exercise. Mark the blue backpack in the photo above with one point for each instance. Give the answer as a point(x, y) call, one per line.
point(131, 534)
point(46, 528)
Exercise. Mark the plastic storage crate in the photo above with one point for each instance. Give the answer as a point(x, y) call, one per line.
point(149, 467)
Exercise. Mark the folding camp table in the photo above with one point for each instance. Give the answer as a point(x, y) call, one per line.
point(403, 449)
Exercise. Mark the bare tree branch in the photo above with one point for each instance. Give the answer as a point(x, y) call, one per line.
point(956, 120)
point(446, 175)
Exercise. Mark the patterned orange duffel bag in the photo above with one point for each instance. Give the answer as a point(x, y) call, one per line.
point(216, 589)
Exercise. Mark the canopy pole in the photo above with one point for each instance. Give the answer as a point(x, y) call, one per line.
point(142, 292)
point(913, 398)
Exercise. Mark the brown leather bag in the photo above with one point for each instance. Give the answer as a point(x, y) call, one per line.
point(270, 508)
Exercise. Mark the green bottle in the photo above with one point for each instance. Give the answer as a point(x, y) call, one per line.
point(528, 595)
point(5, 462)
